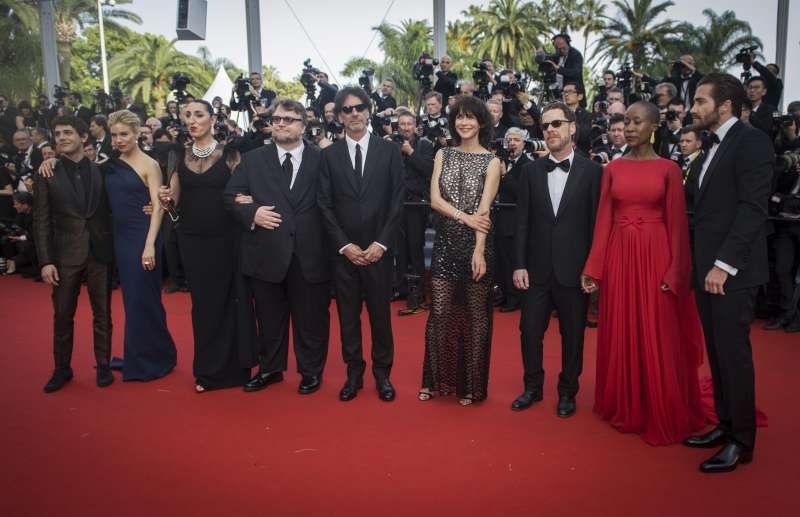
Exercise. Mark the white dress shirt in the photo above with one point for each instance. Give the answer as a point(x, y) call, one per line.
point(721, 132)
point(557, 180)
point(351, 148)
point(296, 157)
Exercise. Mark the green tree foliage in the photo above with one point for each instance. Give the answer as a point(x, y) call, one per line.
point(507, 32)
point(87, 74)
point(715, 44)
point(20, 52)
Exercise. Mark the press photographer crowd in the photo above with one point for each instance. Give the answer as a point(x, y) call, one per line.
point(514, 99)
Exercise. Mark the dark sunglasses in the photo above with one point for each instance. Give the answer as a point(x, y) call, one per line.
point(276, 119)
point(556, 124)
point(357, 107)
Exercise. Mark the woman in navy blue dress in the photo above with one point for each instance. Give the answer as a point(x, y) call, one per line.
point(132, 181)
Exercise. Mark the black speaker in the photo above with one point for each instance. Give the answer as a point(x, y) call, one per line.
point(191, 19)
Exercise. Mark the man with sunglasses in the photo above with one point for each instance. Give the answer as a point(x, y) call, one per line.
point(556, 205)
point(284, 251)
point(361, 196)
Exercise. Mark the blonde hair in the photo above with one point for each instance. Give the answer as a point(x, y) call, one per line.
point(126, 117)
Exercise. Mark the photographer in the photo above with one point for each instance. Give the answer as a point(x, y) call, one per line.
point(768, 73)
point(667, 137)
point(98, 128)
point(573, 97)
point(684, 76)
point(761, 112)
point(17, 239)
point(327, 91)
point(446, 80)
point(495, 107)
point(505, 223)
point(315, 134)
point(385, 104)
point(418, 157)
point(248, 93)
point(45, 111)
point(172, 116)
point(434, 125)
point(567, 62)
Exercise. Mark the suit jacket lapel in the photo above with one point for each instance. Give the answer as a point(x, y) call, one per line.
point(724, 147)
point(544, 190)
point(370, 162)
point(572, 180)
point(349, 172)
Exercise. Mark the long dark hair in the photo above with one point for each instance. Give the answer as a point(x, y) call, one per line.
point(471, 105)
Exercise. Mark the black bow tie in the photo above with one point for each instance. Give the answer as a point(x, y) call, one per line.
point(713, 138)
point(550, 165)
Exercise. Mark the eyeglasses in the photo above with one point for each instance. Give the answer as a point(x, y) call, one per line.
point(277, 119)
point(555, 123)
point(570, 92)
point(357, 107)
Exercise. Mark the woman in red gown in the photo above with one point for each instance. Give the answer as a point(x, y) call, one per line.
point(649, 337)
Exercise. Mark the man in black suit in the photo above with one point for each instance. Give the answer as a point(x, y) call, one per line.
point(78, 109)
point(761, 112)
point(361, 196)
point(418, 160)
point(684, 76)
point(385, 103)
point(729, 198)
point(573, 97)
point(72, 227)
point(506, 221)
point(556, 208)
point(284, 250)
point(256, 94)
point(327, 92)
point(446, 79)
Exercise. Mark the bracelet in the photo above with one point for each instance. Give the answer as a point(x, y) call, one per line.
point(456, 215)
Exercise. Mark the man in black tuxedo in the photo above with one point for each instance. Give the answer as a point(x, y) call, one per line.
point(78, 109)
point(361, 196)
point(506, 221)
point(556, 208)
point(72, 227)
point(283, 249)
point(418, 160)
point(761, 112)
point(729, 198)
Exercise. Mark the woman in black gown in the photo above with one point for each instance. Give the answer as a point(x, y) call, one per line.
point(458, 333)
point(208, 243)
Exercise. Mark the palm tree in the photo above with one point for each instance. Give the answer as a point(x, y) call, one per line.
point(20, 55)
point(147, 67)
point(715, 45)
point(71, 15)
point(402, 46)
point(507, 32)
point(636, 35)
point(594, 14)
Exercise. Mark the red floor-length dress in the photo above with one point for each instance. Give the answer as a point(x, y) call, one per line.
point(649, 341)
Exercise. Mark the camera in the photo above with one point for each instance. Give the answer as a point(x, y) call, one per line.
point(779, 120)
point(365, 80)
point(333, 128)
point(786, 162)
point(507, 86)
point(308, 78)
point(535, 146)
point(423, 69)
point(394, 122)
point(433, 128)
point(178, 85)
point(242, 85)
point(745, 57)
point(262, 120)
point(10, 230)
point(480, 76)
point(499, 146)
point(60, 93)
point(221, 130)
point(314, 130)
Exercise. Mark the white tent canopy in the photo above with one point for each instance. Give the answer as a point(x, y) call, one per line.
point(222, 87)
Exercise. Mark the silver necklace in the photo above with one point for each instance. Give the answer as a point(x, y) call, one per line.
point(204, 152)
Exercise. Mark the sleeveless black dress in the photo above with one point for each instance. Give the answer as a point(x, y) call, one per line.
point(459, 329)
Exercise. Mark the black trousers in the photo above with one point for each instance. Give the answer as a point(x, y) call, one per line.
point(307, 305)
point(504, 244)
point(726, 325)
point(786, 244)
point(537, 304)
point(65, 301)
point(411, 245)
point(371, 284)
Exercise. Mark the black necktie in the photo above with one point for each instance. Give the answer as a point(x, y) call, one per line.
point(80, 191)
point(550, 165)
point(358, 167)
point(288, 169)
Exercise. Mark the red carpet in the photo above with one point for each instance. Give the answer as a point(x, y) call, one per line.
point(159, 449)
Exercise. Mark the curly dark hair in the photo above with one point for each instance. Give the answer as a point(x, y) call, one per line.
point(472, 106)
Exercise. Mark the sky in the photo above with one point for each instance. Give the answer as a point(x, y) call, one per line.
point(342, 29)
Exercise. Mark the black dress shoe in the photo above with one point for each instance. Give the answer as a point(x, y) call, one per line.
point(385, 390)
point(350, 389)
point(566, 406)
point(591, 324)
point(713, 438)
point(776, 324)
point(104, 376)
point(726, 459)
point(261, 380)
point(309, 384)
point(60, 377)
point(526, 400)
